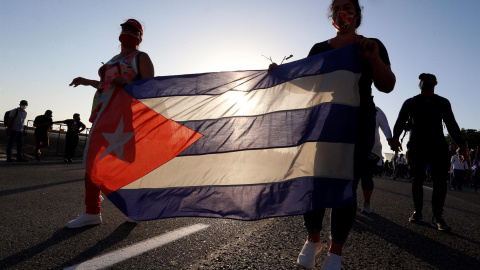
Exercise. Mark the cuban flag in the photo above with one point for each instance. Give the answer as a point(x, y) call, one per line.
point(244, 145)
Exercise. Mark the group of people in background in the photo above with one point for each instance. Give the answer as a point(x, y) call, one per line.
point(15, 125)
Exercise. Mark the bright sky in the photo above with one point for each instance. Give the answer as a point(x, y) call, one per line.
point(46, 43)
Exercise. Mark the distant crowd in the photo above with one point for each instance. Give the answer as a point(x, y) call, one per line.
point(463, 171)
point(14, 121)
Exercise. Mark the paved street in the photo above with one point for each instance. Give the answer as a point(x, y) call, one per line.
point(38, 198)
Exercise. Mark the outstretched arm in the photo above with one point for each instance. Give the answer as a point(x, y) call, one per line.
point(82, 81)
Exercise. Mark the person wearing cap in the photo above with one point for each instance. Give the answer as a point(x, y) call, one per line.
point(42, 124)
point(128, 66)
point(16, 122)
point(74, 127)
point(422, 115)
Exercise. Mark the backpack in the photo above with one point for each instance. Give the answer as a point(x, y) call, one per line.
point(7, 115)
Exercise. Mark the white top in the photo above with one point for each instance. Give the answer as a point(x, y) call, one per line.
point(457, 165)
point(382, 123)
point(19, 121)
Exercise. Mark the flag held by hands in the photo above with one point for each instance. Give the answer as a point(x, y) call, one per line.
point(244, 145)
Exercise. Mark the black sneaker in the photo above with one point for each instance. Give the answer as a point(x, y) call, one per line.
point(70, 160)
point(440, 224)
point(9, 160)
point(22, 160)
point(416, 218)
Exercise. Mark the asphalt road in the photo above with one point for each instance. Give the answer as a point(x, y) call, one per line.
point(38, 198)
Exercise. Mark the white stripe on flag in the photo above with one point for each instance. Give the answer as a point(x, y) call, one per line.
point(297, 94)
point(313, 159)
point(123, 254)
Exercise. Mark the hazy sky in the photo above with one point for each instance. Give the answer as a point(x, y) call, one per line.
point(44, 44)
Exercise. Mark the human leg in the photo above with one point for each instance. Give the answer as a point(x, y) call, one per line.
point(458, 176)
point(439, 192)
point(313, 223)
point(92, 214)
point(10, 142)
point(418, 166)
point(341, 223)
point(70, 146)
point(92, 196)
point(36, 149)
point(367, 182)
point(19, 141)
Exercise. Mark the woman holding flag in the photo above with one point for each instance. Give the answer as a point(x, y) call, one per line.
point(127, 66)
point(346, 17)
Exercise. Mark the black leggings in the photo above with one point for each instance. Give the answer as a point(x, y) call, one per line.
point(367, 175)
point(342, 218)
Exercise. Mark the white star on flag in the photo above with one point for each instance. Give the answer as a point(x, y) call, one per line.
point(116, 141)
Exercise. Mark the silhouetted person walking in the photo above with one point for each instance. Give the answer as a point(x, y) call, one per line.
point(423, 115)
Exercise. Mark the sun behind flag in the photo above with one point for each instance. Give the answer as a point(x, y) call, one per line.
point(243, 145)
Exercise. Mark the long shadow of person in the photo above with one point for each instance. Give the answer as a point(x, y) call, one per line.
point(435, 253)
point(117, 236)
point(57, 237)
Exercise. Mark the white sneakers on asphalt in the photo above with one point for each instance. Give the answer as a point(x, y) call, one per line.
point(332, 262)
point(366, 208)
point(306, 258)
point(89, 219)
point(85, 220)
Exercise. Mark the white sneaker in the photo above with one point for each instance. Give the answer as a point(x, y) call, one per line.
point(332, 262)
point(366, 208)
point(306, 258)
point(85, 220)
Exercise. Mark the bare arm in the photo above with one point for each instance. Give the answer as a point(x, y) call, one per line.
point(383, 123)
point(146, 67)
point(383, 77)
point(82, 81)
point(9, 125)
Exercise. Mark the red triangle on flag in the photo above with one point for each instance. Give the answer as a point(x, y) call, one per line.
point(129, 140)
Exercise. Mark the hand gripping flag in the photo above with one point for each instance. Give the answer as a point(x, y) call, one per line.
point(244, 145)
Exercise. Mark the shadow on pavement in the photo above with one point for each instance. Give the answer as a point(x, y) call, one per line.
point(57, 237)
point(25, 189)
point(31, 163)
point(120, 233)
point(426, 249)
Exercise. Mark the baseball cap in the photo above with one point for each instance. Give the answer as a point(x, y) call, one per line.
point(133, 23)
point(24, 102)
point(427, 77)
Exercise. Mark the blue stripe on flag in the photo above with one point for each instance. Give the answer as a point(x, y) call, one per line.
point(327, 122)
point(324, 122)
point(251, 202)
point(217, 83)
